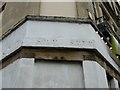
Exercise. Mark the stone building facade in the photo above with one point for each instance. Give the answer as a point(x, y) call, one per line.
point(60, 44)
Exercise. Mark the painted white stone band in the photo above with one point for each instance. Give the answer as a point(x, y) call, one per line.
point(55, 34)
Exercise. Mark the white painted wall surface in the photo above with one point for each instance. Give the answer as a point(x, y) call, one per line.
point(18, 74)
point(24, 73)
point(94, 75)
point(72, 35)
point(10, 74)
point(56, 34)
point(64, 35)
point(0, 79)
point(58, 75)
point(14, 40)
point(1, 22)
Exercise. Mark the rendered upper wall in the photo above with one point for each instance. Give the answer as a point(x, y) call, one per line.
point(15, 11)
point(64, 9)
